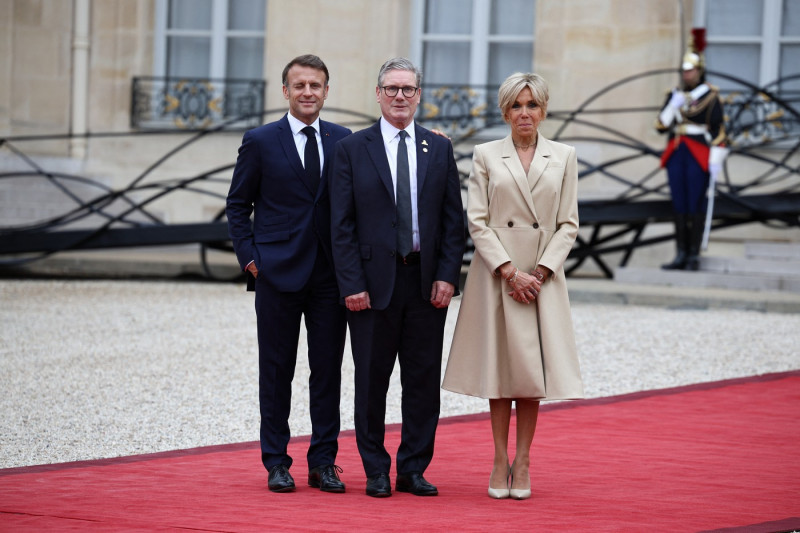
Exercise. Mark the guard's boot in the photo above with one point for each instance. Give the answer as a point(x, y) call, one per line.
point(696, 226)
point(681, 243)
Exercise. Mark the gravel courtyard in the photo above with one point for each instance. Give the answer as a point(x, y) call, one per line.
point(95, 369)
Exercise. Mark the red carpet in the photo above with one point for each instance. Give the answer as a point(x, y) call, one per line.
point(721, 456)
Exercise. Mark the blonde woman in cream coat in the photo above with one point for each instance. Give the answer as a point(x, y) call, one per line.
point(514, 339)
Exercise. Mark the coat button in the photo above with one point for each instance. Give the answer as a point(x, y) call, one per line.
point(510, 223)
point(535, 225)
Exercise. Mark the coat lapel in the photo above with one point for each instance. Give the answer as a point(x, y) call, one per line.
point(290, 149)
point(539, 163)
point(422, 142)
point(327, 150)
point(377, 152)
point(514, 165)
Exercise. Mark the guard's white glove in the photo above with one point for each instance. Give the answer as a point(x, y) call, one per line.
point(677, 99)
point(671, 111)
point(716, 157)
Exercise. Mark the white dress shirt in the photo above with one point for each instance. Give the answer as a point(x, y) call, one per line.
point(391, 139)
point(300, 139)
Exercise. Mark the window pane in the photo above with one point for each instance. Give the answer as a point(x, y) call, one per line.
point(507, 58)
point(513, 17)
point(446, 63)
point(189, 14)
point(245, 58)
point(739, 60)
point(790, 64)
point(246, 14)
point(791, 18)
point(735, 17)
point(188, 57)
point(448, 16)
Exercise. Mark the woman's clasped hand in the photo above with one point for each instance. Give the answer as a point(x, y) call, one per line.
point(525, 287)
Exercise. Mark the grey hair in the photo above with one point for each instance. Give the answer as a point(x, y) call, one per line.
point(514, 84)
point(399, 63)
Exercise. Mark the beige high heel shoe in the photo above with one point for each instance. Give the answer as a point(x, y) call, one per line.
point(518, 494)
point(500, 494)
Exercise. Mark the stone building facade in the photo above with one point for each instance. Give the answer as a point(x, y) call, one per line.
point(68, 67)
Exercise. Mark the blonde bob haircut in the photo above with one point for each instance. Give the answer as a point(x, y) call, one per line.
point(514, 84)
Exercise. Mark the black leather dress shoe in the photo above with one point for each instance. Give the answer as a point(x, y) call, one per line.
point(415, 484)
point(326, 478)
point(379, 486)
point(280, 480)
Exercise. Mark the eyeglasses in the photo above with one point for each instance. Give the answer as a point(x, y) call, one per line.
point(408, 92)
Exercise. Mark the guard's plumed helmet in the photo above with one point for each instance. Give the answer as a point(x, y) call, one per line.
point(694, 55)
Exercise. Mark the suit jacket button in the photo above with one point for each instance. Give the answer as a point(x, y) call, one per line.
point(510, 223)
point(535, 225)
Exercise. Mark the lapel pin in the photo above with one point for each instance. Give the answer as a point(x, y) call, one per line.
point(424, 149)
point(424, 142)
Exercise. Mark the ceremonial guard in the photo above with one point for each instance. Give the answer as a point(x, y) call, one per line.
point(693, 116)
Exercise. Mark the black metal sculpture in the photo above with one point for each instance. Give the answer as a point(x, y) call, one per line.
point(763, 122)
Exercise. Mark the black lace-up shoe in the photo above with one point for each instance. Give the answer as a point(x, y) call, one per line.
point(415, 484)
point(379, 486)
point(326, 478)
point(280, 480)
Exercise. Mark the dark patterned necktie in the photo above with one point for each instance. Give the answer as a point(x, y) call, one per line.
point(404, 230)
point(311, 155)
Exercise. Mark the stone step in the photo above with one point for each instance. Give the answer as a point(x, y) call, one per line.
point(789, 251)
point(707, 279)
point(758, 265)
point(791, 285)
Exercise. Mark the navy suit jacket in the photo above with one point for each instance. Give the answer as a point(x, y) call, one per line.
point(292, 215)
point(364, 215)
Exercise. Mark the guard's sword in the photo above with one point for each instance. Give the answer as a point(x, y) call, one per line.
point(712, 189)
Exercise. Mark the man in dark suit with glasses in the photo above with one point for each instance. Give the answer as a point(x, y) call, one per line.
point(398, 240)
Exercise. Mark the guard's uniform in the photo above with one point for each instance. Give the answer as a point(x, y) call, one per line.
point(694, 118)
point(699, 126)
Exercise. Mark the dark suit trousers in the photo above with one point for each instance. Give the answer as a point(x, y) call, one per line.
point(412, 330)
point(278, 315)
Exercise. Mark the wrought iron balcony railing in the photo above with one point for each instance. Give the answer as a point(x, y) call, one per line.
point(760, 181)
point(459, 110)
point(752, 116)
point(195, 103)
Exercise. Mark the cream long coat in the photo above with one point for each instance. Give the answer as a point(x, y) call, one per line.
point(502, 348)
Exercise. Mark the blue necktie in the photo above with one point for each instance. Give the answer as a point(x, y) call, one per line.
point(404, 229)
point(311, 155)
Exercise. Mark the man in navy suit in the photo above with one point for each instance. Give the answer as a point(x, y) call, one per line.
point(398, 240)
point(281, 175)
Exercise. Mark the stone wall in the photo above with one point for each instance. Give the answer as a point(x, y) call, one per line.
point(580, 47)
